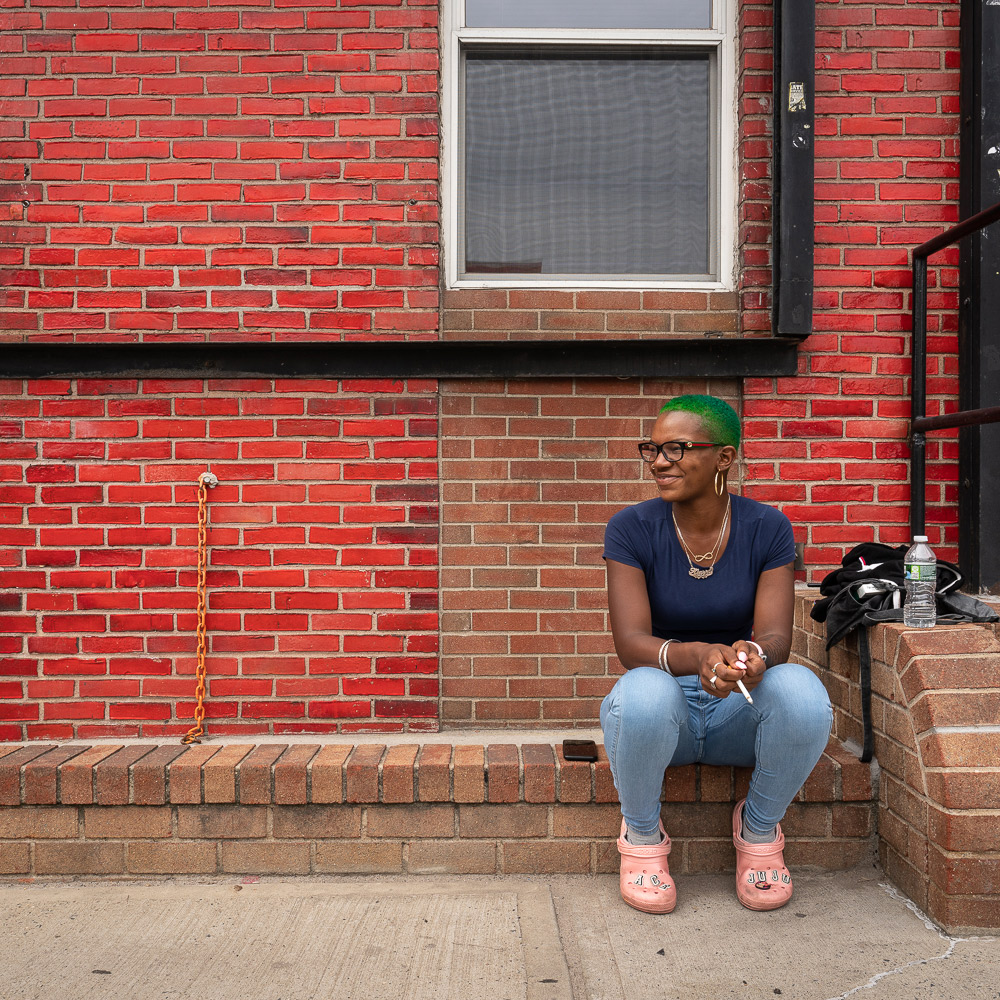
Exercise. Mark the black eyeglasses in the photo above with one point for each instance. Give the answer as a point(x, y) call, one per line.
point(672, 451)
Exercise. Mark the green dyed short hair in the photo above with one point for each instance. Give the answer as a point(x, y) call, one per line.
point(718, 418)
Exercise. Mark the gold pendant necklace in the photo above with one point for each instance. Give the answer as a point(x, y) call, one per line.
point(698, 572)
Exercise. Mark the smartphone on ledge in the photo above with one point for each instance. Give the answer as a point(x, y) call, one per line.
point(579, 750)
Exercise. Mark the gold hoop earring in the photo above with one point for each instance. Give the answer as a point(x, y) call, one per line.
point(720, 483)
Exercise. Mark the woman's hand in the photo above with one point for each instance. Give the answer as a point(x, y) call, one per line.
point(720, 669)
point(752, 660)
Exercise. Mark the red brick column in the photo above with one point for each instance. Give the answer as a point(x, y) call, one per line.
point(935, 697)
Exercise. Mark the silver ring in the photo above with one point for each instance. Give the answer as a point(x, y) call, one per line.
point(715, 667)
point(712, 680)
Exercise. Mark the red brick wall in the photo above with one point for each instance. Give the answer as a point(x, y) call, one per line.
point(323, 556)
point(235, 171)
point(829, 444)
point(271, 172)
point(754, 88)
point(549, 314)
point(531, 472)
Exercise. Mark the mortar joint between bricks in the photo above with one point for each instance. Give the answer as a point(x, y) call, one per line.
point(166, 780)
point(309, 777)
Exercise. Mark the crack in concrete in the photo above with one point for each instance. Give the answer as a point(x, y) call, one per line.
point(894, 893)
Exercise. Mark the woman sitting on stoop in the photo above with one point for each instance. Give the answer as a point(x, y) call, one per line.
point(700, 592)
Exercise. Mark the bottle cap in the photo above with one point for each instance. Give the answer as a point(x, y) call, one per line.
point(920, 538)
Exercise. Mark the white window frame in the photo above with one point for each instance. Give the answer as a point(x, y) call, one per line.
point(722, 36)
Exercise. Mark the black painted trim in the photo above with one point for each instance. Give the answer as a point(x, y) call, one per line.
point(792, 201)
point(979, 298)
point(682, 358)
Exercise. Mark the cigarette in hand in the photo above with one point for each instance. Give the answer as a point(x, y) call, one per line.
point(746, 694)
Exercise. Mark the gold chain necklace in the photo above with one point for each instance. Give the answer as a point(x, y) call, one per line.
point(698, 572)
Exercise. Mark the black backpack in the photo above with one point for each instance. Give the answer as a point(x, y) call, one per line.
point(869, 589)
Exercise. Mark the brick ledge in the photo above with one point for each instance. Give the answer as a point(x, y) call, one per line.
point(73, 809)
point(333, 773)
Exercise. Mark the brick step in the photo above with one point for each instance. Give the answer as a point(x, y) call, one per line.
point(323, 808)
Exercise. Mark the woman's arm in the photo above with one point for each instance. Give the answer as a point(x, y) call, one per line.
point(773, 610)
point(632, 627)
point(774, 605)
point(631, 621)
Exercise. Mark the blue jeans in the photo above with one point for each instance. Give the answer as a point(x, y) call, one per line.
point(652, 720)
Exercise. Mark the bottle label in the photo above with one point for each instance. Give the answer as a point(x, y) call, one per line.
point(921, 571)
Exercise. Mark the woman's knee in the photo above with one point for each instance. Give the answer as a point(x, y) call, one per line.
point(647, 694)
point(797, 695)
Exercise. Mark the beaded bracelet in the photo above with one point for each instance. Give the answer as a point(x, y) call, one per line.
point(664, 665)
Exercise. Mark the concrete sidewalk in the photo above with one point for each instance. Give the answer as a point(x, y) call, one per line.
point(475, 938)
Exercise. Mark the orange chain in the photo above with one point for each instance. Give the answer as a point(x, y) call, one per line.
point(205, 480)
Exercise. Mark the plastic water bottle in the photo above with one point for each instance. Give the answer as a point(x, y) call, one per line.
point(920, 568)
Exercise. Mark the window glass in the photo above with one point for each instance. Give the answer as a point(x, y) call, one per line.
point(588, 13)
point(581, 162)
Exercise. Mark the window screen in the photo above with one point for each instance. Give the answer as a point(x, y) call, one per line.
point(585, 163)
point(588, 14)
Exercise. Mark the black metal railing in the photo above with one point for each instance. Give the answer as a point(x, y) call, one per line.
point(920, 423)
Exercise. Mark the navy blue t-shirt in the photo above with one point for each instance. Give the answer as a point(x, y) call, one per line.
point(719, 609)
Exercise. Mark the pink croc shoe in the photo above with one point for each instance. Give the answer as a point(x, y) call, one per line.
point(762, 880)
point(645, 878)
